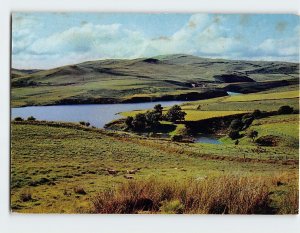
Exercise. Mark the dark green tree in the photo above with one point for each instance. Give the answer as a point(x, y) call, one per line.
point(175, 114)
point(139, 122)
point(152, 119)
point(236, 125)
point(234, 134)
point(158, 109)
point(256, 113)
point(129, 121)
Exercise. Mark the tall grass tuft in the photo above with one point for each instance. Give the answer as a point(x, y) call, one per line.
point(229, 194)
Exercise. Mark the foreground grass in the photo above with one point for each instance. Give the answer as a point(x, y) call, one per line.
point(62, 168)
point(229, 194)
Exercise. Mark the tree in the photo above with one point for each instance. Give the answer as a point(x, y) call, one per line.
point(158, 109)
point(129, 121)
point(253, 134)
point(247, 121)
point(18, 119)
point(236, 124)
point(175, 114)
point(234, 134)
point(256, 114)
point(152, 119)
point(31, 118)
point(285, 110)
point(139, 122)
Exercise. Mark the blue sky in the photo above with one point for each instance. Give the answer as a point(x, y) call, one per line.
point(46, 40)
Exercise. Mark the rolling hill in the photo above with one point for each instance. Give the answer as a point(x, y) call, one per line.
point(165, 77)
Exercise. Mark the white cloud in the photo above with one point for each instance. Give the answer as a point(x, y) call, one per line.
point(203, 35)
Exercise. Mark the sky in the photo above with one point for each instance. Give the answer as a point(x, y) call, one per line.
point(48, 40)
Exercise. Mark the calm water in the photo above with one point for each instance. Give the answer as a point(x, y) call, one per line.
point(97, 114)
point(233, 93)
point(210, 139)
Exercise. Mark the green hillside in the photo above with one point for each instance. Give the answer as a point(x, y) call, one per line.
point(163, 77)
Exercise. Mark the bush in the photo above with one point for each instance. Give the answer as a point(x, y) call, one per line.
point(285, 110)
point(87, 124)
point(18, 119)
point(82, 122)
point(31, 118)
point(177, 138)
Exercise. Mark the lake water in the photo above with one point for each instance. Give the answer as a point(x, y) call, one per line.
point(233, 93)
point(210, 139)
point(97, 114)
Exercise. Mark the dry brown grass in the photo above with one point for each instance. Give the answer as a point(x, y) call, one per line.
point(228, 194)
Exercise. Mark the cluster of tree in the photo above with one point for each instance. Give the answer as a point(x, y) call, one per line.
point(151, 119)
point(242, 123)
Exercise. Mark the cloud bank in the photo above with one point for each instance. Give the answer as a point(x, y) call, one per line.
point(215, 36)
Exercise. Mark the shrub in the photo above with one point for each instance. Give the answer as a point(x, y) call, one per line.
point(175, 114)
point(177, 138)
point(18, 119)
point(285, 110)
point(82, 122)
point(31, 118)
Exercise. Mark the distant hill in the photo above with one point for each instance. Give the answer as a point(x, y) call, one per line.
point(120, 79)
point(16, 73)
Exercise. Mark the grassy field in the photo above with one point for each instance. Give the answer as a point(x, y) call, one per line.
point(249, 102)
point(58, 168)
